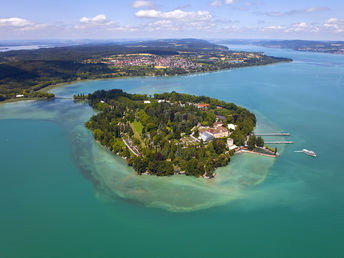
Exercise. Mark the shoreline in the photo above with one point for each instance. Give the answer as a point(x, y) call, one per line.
point(7, 101)
point(62, 84)
point(241, 151)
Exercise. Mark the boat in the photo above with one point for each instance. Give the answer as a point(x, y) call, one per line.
point(308, 152)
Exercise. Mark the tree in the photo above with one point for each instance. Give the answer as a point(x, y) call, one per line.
point(172, 114)
point(140, 165)
point(260, 141)
point(117, 133)
point(219, 146)
point(238, 137)
point(251, 143)
point(153, 166)
point(127, 152)
point(98, 134)
point(158, 156)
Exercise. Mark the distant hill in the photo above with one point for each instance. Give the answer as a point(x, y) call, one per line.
point(334, 47)
point(81, 52)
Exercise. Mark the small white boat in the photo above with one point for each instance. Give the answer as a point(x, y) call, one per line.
point(308, 152)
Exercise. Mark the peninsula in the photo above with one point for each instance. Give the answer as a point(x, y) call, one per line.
point(28, 73)
point(170, 133)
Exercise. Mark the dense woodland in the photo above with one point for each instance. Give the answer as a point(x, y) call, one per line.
point(157, 130)
point(33, 70)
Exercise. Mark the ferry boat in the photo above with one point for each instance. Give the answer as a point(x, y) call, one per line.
point(308, 152)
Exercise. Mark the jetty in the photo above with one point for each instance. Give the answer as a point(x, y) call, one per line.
point(271, 134)
point(274, 134)
point(279, 142)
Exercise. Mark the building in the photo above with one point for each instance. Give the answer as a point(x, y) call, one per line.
point(161, 101)
point(218, 132)
point(202, 106)
point(19, 96)
point(230, 144)
point(206, 136)
point(146, 102)
point(217, 124)
point(231, 127)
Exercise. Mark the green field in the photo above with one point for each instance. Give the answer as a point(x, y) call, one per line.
point(138, 127)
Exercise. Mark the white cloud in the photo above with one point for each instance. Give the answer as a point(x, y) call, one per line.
point(99, 19)
point(293, 12)
point(299, 27)
point(296, 27)
point(177, 20)
point(229, 1)
point(141, 4)
point(175, 14)
point(316, 9)
point(15, 22)
point(19, 24)
point(334, 24)
point(274, 27)
point(216, 3)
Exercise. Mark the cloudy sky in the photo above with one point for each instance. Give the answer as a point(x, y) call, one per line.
point(115, 19)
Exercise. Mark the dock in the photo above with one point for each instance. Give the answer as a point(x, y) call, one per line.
point(271, 134)
point(274, 134)
point(279, 142)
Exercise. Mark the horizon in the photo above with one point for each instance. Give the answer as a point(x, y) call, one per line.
point(85, 41)
point(149, 20)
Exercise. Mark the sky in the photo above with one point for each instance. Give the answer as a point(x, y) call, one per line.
point(147, 19)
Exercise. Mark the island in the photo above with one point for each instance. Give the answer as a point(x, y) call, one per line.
point(30, 73)
point(171, 133)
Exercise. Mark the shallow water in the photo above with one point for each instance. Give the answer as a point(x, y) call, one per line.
point(59, 186)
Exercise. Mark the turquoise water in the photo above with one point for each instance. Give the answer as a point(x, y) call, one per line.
point(63, 195)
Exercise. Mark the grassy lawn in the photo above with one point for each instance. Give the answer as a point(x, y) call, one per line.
point(137, 127)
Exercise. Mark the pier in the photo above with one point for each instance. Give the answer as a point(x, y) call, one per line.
point(271, 134)
point(279, 142)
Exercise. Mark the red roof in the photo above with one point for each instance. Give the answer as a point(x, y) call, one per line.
point(202, 105)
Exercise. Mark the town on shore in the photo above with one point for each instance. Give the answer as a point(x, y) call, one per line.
point(27, 74)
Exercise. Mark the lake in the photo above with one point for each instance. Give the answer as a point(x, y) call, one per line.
point(63, 195)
